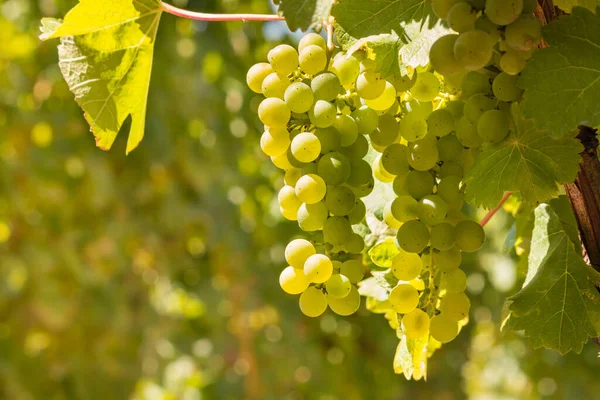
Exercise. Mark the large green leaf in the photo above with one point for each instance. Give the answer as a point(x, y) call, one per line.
point(562, 82)
point(411, 358)
point(305, 14)
point(557, 307)
point(529, 161)
point(105, 56)
point(567, 5)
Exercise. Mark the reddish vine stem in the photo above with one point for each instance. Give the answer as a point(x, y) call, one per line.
point(198, 16)
point(493, 211)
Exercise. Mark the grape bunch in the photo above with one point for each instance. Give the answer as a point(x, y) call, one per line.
point(317, 112)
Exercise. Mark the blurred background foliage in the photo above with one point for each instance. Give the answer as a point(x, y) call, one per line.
point(154, 276)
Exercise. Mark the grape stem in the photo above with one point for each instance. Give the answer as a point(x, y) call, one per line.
point(198, 16)
point(493, 211)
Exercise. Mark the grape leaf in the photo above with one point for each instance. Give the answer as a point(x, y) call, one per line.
point(419, 36)
point(558, 303)
point(529, 161)
point(385, 49)
point(105, 56)
point(567, 5)
point(411, 358)
point(305, 14)
point(383, 253)
point(562, 82)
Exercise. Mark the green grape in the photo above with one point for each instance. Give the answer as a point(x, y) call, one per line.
point(293, 160)
point(360, 173)
point(293, 281)
point(338, 286)
point(387, 133)
point(450, 169)
point(403, 83)
point(388, 217)
point(313, 302)
point(453, 281)
point(355, 244)
point(322, 114)
point(364, 190)
point(443, 329)
point(334, 168)
point(529, 6)
point(337, 231)
point(404, 298)
point(506, 87)
point(310, 168)
point(413, 127)
point(449, 188)
point(442, 236)
point(477, 4)
point(312, 217)
point(484, 24)
point(399, 184)
point(426, 88)
point(288, 203)
point(512, 62)
point(493, 126)
point(291, 176)
point(432, 210)
point(475, 82)
point(275, 85)
point(385, 100)
point(358, 213)
point(275, 141)
point(455, 305)
point(394, 159)
point(347, 69)
point(318, 268)
point(299, 97)
point(347, 305)
point(449, 148)
point(503, 12)
point(353, 269)
point(282, 162)
point(457, 108)
point(423, 154)
point(329, 138)
point(404, 208)
point(313, 39)
point(441, 56)
point(420, 109)
point(310, 189)
point(440, 123)
point(256, 75)
point(369, 85)
point(466, 133)
point(326, 86)
point(348, 129)
point(406, 266)
point(442, 7)
point(366, 119)
point(283, 59)
point(413, 236)
point(478, 104)
point(273, 112)
point(340, 200)
point(313, 59)
point(470, 236)
point(305, 147)
point(473, 49)
point(380, 173)
point(297, 251)
point(461, 17)
point(448, 260)
point(419, 183)
point(415, 324)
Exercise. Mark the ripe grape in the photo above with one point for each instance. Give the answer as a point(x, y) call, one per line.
point(366, 119)
point(478, 104)
point(387, 133)
point(275, 141)
point(423, 154)
point(413, 236)
point(385, 100)
point(432, 210)
point(347, 69)
point(275, 85)
point(369, 85)
point(450, 169)
point(273, 112)
point(440, 122)
point(449, 188)
point(360, 173)
point(473, 49)
point(313, 302)
point(337, 231)
point(470, 236)
point(426, 88)
point(330, 139)
point(291, 176)
point(256, 75)
point(340, 200)
point(404, 298)
point(454, 281)
point(455, 305)
point(466, 133)
point(506, 87)
point(310, 189)
point(347, 305)
point(318, 268)
point(338, 286)
point(358, 213)
point(475, 82)
point(447, 260)
point(297, 251)
point(306, 147)
point(282, 162)
point(493, 126)
point(311, 39)
point(503, 12)
point(322, 114)
point(334, 168)
point(419, 183)
point(443, 329)
point(449, 148)
point(413, 126)
point(404, 208)
point(312, 217)
point(312, 59)
point(512, 62)
point(293, 281)
point(326, 86)
point(441, 56)
point(442, 236)
point(283, 59)
point(353, 269)
point(461, 17)
point(348, 129)
point(289, 203)
point(415, 324)
point(406, 266)
point(394, 159)
point(299, 97)
point(442, 7)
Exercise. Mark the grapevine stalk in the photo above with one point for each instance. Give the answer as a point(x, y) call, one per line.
point(198, 16)
point(493, 211)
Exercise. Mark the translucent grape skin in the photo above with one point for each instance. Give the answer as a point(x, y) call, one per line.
point(440, 122)
point(347, 305)
point(312, 217)
point(404, 208)
point(415, 324)
point(275, 141)
point(347, 69)
point(455, 305)
point(311, 39)
point(340, 200)
point(283, 58)
point(406, 266)
point(419, 183)
point(473, 49)
point(310, 189)
point(318, 268)
point(443, 329)
point(326, 86)
point(413, 236)
point(293, 280)
point(322, 114)
point(443, 236)
point(275, 85)
point(312, 59)
point(338, 286)
point(448, 260)
point(449, 148)
point(299, 97)
point(306, 147)
point(394, 159)
point(297, 252)
point(353, 269)
point(506, 87)
point(426, 88)
point(442, 7)
point(366, 119)
point(454, 281)
point(404, 298)
point(493, 126)
point(461, 17)
point(470, 236)
point(525, 33)
point(347, 128)
point(289, 203)
point(273, 112)
point(256, 75)
point(369, 85)
point(503, 12)
point(413, 127)
point(385, 100)
point(313, 302)
point(334, 168)
point(432, 210)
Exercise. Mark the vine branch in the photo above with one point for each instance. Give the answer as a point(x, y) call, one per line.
point(198, 16)
point(494, 210)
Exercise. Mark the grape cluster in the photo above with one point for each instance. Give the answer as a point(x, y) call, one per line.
point(317, 112)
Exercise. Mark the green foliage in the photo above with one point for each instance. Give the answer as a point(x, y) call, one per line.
point(557, 305)
point(105, 56)
point(568, 5)
point(530, 161)
point(562, 82)
point(385, 48)
point(305, 15)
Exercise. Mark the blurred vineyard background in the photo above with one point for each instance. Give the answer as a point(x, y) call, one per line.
point(154, 276)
